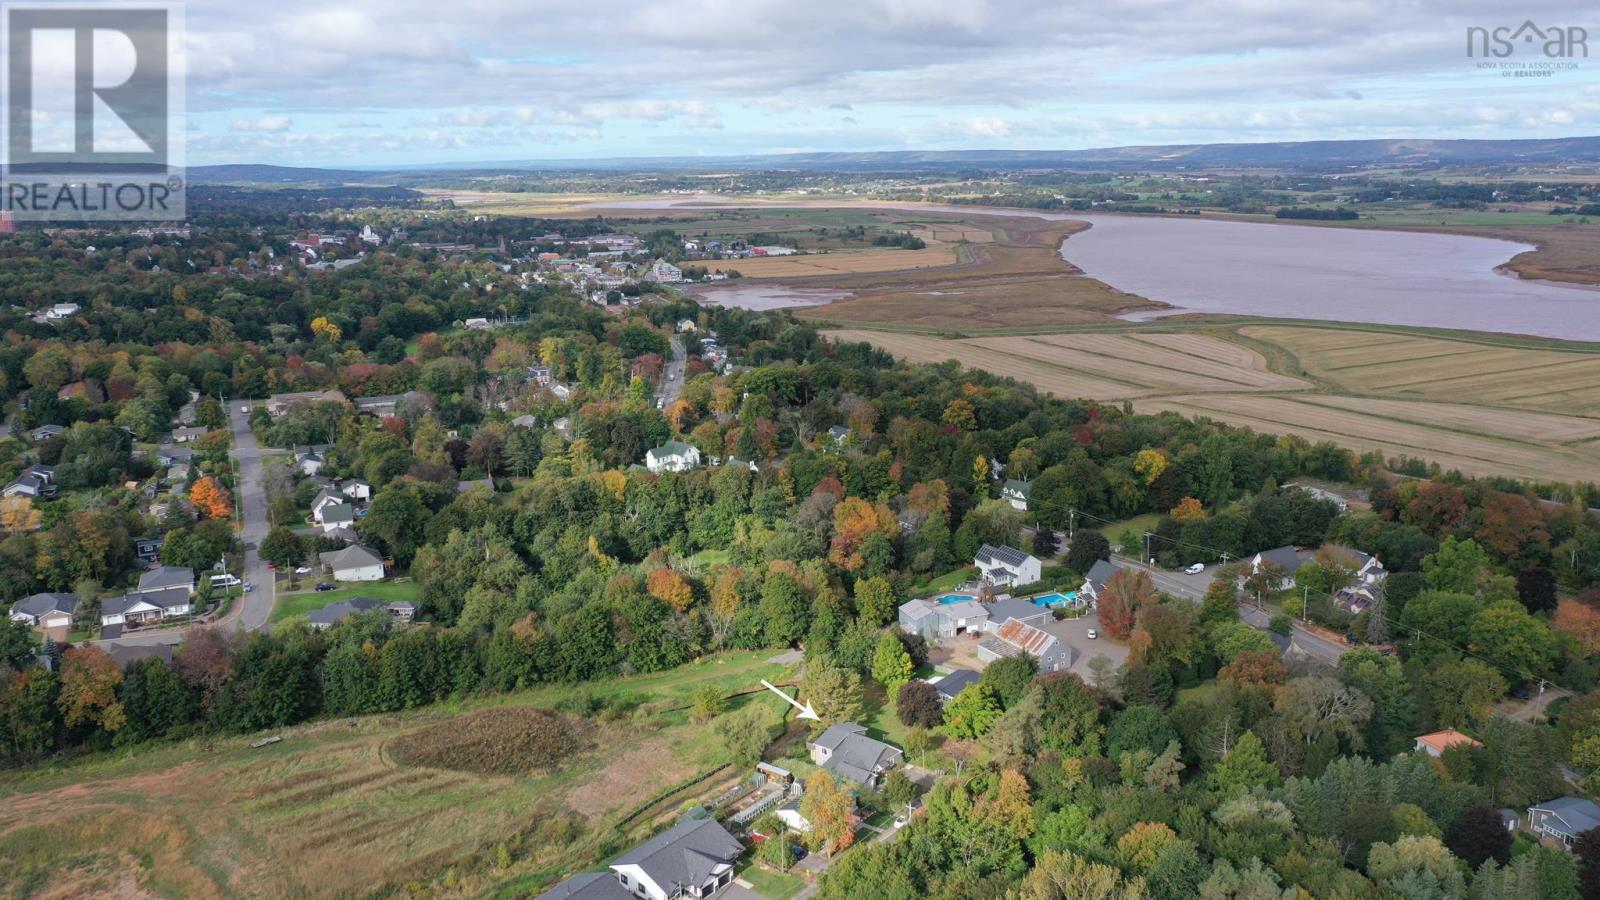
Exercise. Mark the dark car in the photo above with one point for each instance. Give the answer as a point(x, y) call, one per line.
point(325, 586)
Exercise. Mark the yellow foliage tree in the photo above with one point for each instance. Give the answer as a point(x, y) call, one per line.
point(323, 328)
point(1150, 463)
point(18, 514)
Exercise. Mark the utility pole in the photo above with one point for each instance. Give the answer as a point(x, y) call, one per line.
point(1072, 518)
point(1148, 559)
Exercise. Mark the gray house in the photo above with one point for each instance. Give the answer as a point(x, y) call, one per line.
point(338, 611)
point(1095, 581)
point(1287, 560)
point(693, 858)
point(951, 685)
point(1563, 819)
point(589, 886)
point(1015, 638)
point(934, 620)
point(1018, 608)
point(846, 751)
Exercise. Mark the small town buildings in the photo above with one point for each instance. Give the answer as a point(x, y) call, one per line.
point(1005, 566)
point(673, 456)
point(1021, 609)
point(1016, 492)
point(1563, 819)
point(943, 617)
point(693, 858)
point(50, 613)
point(954, 683)
point(663, 272)
point(278, 404)
point(336, 612)
point(846, 751)
point(1439, 741)
point(353, 563)
point(1015, 637)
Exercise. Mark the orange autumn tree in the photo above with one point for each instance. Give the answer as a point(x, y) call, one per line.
point(670, 588)
point(1581, 619)
point(1119, 602)
point(854, 521)
point(209, 496)
point(1188, 510)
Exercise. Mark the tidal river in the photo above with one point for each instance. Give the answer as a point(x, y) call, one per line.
point(1290, 271)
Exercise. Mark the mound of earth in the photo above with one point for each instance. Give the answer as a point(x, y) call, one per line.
point(500, 741)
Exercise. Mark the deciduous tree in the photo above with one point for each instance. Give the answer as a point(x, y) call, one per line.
point(1125, 594)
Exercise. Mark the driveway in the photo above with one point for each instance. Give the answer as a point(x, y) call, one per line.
point(1074, 633)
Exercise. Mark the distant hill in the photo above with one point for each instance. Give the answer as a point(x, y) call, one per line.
point(1305, 155)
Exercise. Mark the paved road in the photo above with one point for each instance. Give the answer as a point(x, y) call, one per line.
point(251, 611)
point(672, 376)
point(1309, 642)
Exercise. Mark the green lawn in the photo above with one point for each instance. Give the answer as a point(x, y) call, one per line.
point(298, 604)
point(772, 885)
point(945, 582)
point(1137, 524)
point(879, 716)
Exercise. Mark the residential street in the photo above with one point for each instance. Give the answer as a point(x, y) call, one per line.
point(672, 374)
point(250, 611)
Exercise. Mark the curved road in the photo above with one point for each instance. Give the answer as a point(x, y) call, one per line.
point(250, 611)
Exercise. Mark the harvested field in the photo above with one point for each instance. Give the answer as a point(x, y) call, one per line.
point(503, 741)
point(839, 262)
point(1100, 366)
point(1557, 381)
point(331, 812)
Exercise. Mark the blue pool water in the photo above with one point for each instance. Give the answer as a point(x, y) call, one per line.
point(1054, 600)
point(954, 598)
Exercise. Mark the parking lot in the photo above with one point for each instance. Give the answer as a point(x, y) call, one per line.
point(1074, 633)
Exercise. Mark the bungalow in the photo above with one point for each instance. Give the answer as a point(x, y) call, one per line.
point(353, 563)
point(1438, 742)
point(50, 613)
point(952, 684)
point(693, 858)
point(278, 404)
point(356, 489)
point(341, 533)
point(1015, 492)
point(163, 578)
point(1005, 566)
point(145, 607)
point(168, 455)
point(337, 515)
point(846, 751)
point(1095, 581)
point(673, 456)
point(1286, 560)
point(933, 619)
point(588, 886)
point(1016, 637)
point(338, 611)
point(45, 432)
point(185, 435)
point(1563, 819)
point(310, 462)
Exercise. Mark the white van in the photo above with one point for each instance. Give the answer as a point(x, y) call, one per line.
point(225, 581)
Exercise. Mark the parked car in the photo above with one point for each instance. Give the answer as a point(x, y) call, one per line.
point(1195, 569)
point(244, 409)
point(303, 570)
point(249, 586)
point(1093, 634)
point(326, 586)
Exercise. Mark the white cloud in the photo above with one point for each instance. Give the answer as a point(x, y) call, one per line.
point(269, 124)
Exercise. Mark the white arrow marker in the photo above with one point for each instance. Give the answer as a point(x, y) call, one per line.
point(806, 712)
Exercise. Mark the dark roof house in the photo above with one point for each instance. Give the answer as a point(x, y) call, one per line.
point(846, 751)
point(693, 857)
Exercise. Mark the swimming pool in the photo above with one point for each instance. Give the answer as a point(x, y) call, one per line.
point(1052, 601)
point(953, 598)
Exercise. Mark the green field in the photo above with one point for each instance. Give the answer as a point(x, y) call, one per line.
point(329, 812)
point(300, 603)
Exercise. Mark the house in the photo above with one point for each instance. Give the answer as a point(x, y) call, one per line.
point(1005, 566)
point(1563, 819)
point(1016, 637)
point(341, 533)
point(354, 563)
point(163, 578)
point(36, 483)
point(589, 886)
point(61, 311)
point(310, 462)
point(145, 607)
point(1439, 741)
point(45, 432)
point(1095, 581)
point(663, 272)
point(50, 613)
point(185, 435)
point(338, 611)
point(380, 405)
point(168, 455)
point(1322, 494)
point(789, 814)
point(324, 499)
point(337, 515)
point(1015, 492)
point(278, 404)
point(944, 617)
point(951, 685)
point(125, 655)
point(356, 489)
point(146, 549)
point(839, 434)
point(477, 323)
point(1287, 560)
point(846, 751)
point(1019, 608)
point(486, 483)
point(686, 326)
point(673, 456)
point(693, 858)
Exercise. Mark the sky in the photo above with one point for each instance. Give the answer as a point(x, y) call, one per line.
point(412, 82)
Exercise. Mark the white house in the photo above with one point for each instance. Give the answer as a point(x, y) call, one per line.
point(337, 515)
point(686, 326)
point(1286, 560)
point(664, 272)
point(50, 613)
point(310, 462)
point(324, 499)
point(673, 456)
point(1016, 492)
point(162, 593)
point(356, 489)
point(1005, 566)
point(61, 311)
point(353, 563)
point(693, 858)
